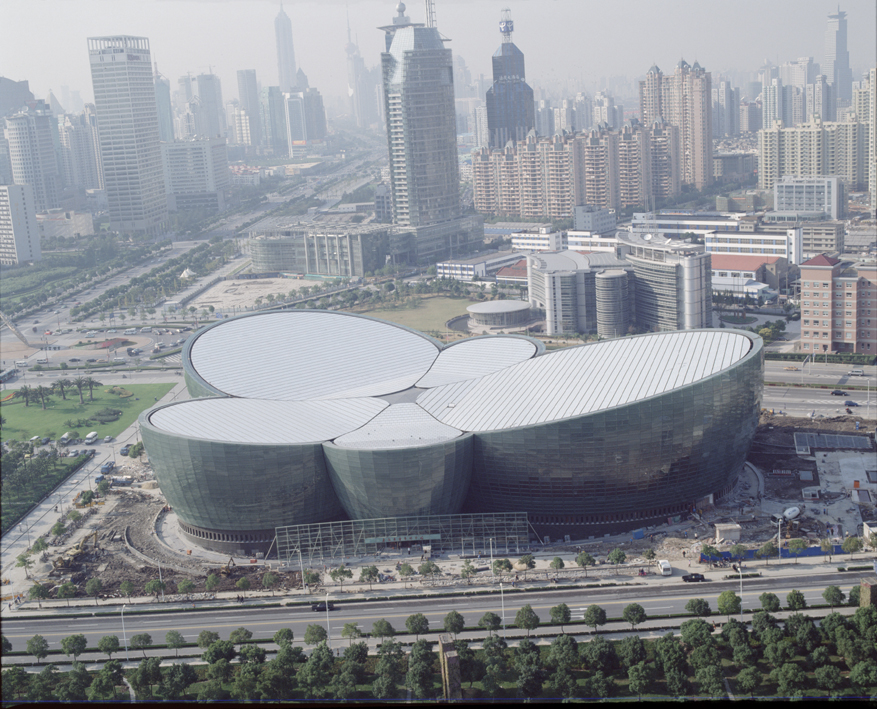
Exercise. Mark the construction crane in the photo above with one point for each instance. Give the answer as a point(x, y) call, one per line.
point(15, 331)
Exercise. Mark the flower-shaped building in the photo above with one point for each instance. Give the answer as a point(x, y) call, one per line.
point(310, 416)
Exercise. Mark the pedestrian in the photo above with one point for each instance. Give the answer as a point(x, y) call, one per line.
point(683, 553)
point(689, 564)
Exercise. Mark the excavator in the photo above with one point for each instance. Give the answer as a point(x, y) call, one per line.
point(69, 557)
point(226, 570)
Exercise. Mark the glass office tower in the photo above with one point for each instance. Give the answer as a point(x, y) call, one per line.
point(511, 112)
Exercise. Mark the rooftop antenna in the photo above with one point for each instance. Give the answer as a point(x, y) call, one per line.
point(506, 26)
point(430, 13)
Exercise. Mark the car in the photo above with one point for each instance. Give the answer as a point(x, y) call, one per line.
point(75, 359)
point(321, 606)
point(57, 312)
point(694, 577)
point(125, 450)
point(850, 403)
point(113, 331)
point(44, 441)
point(73, 454)
point(107, 439)
point(89, 360)
point(838, 392)
point(791, 369)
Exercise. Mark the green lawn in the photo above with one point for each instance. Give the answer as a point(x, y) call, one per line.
point(430, 315)
point(22, 422)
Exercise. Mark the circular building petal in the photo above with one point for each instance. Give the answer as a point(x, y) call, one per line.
point(298, 354)
point(398, 426)
point(477, 357)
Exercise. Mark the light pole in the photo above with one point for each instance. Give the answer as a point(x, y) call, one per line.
point(161, 583)
point(740, 569)
point(493, 573)
point(328, 629)
point(124, 635)
point(502, 601)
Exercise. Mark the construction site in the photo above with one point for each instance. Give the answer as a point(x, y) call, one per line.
point(131, 534)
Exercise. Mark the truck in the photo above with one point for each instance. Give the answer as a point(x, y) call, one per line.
point(122, 480)
point(107, 467)
point(98, 479)
point(91, 438)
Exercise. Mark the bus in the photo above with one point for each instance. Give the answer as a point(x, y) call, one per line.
point(7, 374)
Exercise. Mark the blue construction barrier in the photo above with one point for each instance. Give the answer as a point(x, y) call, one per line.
point(784, 554)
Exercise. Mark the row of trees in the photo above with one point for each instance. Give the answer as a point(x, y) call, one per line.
point(790, 658)
point(60, 386)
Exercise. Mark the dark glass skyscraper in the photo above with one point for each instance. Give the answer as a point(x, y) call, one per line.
point(511, 113)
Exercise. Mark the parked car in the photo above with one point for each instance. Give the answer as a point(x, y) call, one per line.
point(89, 360)
point(321, 606)
point(107, 439)
point(694, 577)
point(850, 403)
point(44, 441)
point(125, 450)
point(73, 454)
point(75, 359)
point(838, 392)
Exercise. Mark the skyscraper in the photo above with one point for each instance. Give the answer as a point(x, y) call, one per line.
point(273, 114)
point(212, 108)
point(80, 150)
point(360, 87)
point(164, 108)
point(248, 93)
point(837, 59)
point(19, 231)
point(418, 82)
point(285, 51)
point(32, 153)
point(511, 113)
point(130, 148)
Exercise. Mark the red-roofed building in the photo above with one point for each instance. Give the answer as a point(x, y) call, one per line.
point(838, 306)
point(516, 274)
point(742, 274)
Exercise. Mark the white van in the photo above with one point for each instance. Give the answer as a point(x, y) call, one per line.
point(131, 331)
point(856, 373)
point(65, 438)
point(119, 360)
point(21, 363)
point(145, 329)
point(665, 568)
point(91, 333)
point(91, 438)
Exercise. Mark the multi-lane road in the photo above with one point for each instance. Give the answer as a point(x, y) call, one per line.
point(798, 400)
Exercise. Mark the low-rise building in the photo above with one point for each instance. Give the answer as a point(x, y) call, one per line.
point(595, 220)
point(755, 276)
point(543, 239)
point(65, 223)
point(819, 194)
point(786, 243)
point(479, 266)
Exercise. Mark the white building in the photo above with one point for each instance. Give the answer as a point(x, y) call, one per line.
point(590, 241)
point(677, 224)
point(825, 195)
point(19, 233)
point(196, 173)
point(480, 266)
point(124, 97)
point(789, 245)
point(593, 219)
point(543, 239)
point(65, 223)
point(32, 154)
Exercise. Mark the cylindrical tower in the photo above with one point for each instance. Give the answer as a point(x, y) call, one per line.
point(613, 303)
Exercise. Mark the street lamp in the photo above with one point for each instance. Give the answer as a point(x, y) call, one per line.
point(740, 569)
point(124, 635)
point(328, 629)
point(493, 573)
point(502, 600)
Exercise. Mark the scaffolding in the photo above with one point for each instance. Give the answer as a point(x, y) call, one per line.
point(501, 533)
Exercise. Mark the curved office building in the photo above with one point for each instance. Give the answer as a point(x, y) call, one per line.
point(312, 416)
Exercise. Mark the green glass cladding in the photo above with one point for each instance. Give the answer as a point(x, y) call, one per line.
point(240, 487)
point(427, 480)
point(631, 462)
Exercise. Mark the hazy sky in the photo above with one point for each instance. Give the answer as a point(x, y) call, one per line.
point(574, 41)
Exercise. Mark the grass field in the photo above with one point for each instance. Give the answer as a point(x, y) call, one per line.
point(430, 315)
point(23, 422)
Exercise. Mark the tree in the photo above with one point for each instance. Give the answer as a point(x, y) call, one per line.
point(770, 602)
point(729, 603)
point(38, 592)
point(710, 681)
point(564, 653)
point(382, 629)
point(39, 545)
point(795, 601)
point(828, 678)
point(173, 639)
point(698, 607)
point(7, 646)
point(833, 596)
point(243, 585)
point(73, 515)
point(147, 674)
point(211, 583)
point(220, 670)
point(340, 574)
point(695, 632)
point(185, 586)
point(527, 561)
point(355, 657)
point(93, 588)
point(501, 566)
point(490, 622)
point(560, 615)
point(315, 634)
point(467, 571)
point(154, 587)
point(15, 682)
point(74, 645)
point(420, 664)
point(557, 563)
point(406, 571)
point(428, 568)
point(38, 646)
point(24, 561)
point(527, 619)
point(141, 641)
point(851, 545)
point(649, 555)
point(749, 680)
point(417, 624)
point(738, 551)
point(639, 676)
point(219, 650)
point(853, 598)
point(342, 686)
point(240, 635)
point(58, 528)
point(594, 616)
point(599, 654)
point(634, 614)
point(599, 685)
point(791, 680)
point(669, 653)
point(454, 623)
point(616, 557)
point(797, 546)
point(631, 651)
point(585, 560)
point(387, 670)
point(827, 547)
point(42, 686)
point(863, 675)
point(767, 550)
point(705, 655)
point(253, 655)
point(284, 636)
point(368, 574)
point(206, 638)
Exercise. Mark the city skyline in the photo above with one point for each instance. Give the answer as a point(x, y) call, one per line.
point(221, 47)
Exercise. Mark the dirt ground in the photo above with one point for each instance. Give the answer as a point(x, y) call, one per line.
point(240, 294)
